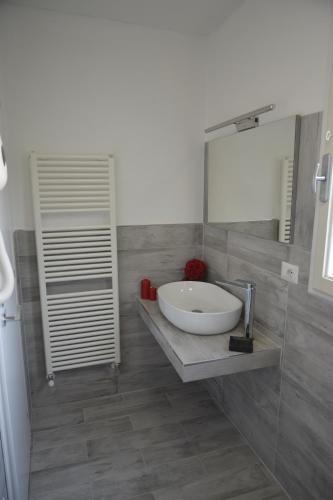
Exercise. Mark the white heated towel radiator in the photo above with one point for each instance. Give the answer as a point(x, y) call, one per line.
point(287, 178)
point(75, 225)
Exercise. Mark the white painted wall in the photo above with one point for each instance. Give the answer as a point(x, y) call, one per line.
point(244, 172)
point(78, 84)
point(84, 85)
point(269, 51)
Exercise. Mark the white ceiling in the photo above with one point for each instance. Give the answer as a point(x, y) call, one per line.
point(194, 17)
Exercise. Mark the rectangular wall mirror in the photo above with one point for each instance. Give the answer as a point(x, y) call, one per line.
point(250, 180)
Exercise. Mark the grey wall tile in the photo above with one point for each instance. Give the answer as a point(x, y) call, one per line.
point(268, 229)
point(144, 260)
point(288, 423)
point(158, 236)
point(313, 310)
point(24, 243)
point(308, 157)
point(307, 424)
point(256, 424)
point(158, 252)
point(301, 257)
point(217, 263)
point(215, 237)
point(306, 479)
point(308, 359)
point(260, 252)
point(263, 386)
point(271, 295)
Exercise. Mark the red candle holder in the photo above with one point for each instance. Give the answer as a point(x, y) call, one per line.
point(152, 293)
point(145, 289)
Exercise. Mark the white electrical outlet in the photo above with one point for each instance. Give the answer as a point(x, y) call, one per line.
point(289, 272)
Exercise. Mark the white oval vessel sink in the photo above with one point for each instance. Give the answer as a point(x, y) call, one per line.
point(198, 307)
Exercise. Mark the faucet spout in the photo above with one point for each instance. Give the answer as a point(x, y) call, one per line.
point(249, 288)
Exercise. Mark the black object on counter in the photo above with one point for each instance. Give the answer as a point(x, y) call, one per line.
point(240, 344)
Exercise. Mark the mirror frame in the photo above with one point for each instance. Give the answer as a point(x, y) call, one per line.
point(298, 119)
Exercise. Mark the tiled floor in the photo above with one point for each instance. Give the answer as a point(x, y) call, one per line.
point(140, 435)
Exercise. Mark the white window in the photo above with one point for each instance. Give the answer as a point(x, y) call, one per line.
point(321, 276)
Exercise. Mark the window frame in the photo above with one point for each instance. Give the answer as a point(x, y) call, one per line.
point(319, 283)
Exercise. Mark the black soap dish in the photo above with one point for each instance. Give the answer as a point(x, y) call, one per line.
point(240, 344)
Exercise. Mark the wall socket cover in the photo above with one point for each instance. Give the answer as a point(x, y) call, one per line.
point(289, 272)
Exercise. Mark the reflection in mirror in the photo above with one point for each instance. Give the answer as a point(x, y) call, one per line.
point(251, 180)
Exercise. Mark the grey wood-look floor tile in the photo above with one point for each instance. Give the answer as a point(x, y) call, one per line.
point(168, 451)
point(180, 390)
point(187, 397)
point(174, 474)
point(73, 392)
point(79, 433)
point(170, 475)
point(124, 407)
point(48, 421)
point(59, 456)
point(74, 492)
point(63, 409)
point(120, 490)
point(121, 465)
point(227, 484)
point(168, 494)
point(150, 356)
point(144, 379)
point(156, 417)
point(208, 434)
point(142, 340)
point(240, 455)
point(146, 496)
point(143, 396)
point(267, 493)
point(135, 440)
point(44, 484)
point(195, 427)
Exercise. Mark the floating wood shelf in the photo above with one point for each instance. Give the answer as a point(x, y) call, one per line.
point(197, 357)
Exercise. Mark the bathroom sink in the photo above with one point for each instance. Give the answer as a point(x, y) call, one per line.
point(198, 307)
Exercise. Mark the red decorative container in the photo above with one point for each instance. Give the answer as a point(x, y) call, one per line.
point(145, 289)
point(152, 293)
point(195, 270)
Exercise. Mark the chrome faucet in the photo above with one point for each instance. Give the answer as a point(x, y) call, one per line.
point(250, 293)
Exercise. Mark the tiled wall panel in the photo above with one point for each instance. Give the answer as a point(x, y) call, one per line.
point(158, 252)
point(287, 414)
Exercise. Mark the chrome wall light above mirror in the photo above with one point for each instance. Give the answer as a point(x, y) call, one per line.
point(251, 177)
